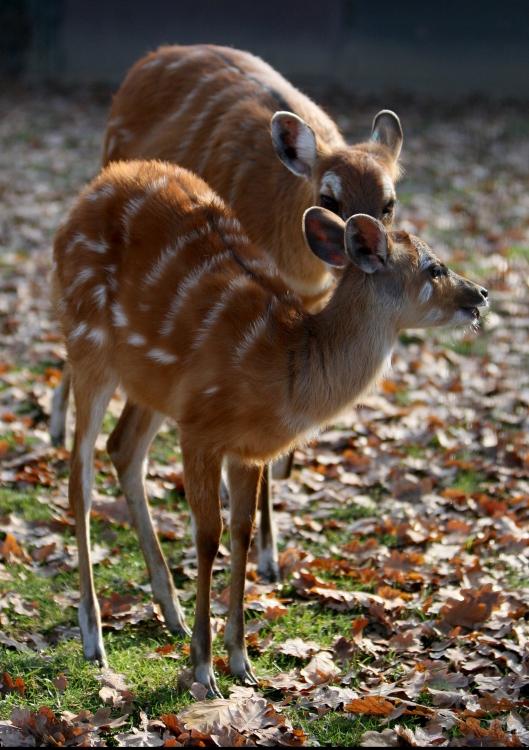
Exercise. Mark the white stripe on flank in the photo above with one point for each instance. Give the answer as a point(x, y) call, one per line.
point(161, 356)
point(130, 210)
point(250, 337)
point(136, 339)
point(79, 330)
point(119, 318)
point(176, 64)
point(216, 311)
point(96, 246)
point(235, 239)
point(76, 239)
point(105, 191)
point(165, 257)
point(193, 94)
point(154, 63)
point(81, 277)
point(199, 122)
point(158, 184)
point(97, 336)
point(99, 295)
point(219, 124)
point(186, 285)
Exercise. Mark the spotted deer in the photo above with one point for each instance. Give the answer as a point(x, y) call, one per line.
point(159, 289)
point(227, 115)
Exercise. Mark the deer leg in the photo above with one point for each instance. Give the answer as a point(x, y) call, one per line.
point(202, 478)
point(282, 467)
point(128, 446)
point(91, 400)
point(244, 486)
point(268, 562)
point(59, 408)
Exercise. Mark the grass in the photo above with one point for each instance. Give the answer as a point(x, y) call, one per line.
point(154, 681)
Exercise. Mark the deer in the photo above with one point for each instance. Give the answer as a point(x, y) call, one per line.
point(256, 139)
point(158, 288)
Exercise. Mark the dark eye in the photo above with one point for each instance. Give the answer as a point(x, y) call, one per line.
point(389, 207)
point(326, 201)
point(437, 271)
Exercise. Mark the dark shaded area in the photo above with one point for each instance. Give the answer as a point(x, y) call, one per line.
point(435, 49)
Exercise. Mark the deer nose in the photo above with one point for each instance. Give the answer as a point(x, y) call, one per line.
point(484, 292)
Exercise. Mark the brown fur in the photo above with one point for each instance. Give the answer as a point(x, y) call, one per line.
point(201, 328)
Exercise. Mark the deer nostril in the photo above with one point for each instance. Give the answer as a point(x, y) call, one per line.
point(484, 292)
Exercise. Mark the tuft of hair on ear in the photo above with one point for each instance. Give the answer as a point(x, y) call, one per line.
point(387, 131)
point(324, 234)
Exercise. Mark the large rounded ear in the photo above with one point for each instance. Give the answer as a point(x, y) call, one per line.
point(388, 131)
point(324, 234)
point(366, 242)
point(294, 142)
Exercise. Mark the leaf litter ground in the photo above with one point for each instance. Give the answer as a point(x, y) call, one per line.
point(402, 618)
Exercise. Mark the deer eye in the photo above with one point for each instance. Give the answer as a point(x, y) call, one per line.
point(437, 271)
point(389, 207)
point(330, 203)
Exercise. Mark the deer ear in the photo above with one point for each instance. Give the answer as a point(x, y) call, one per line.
point(295, 143)
point(366, 243)
point(324, 234)
point(388, 131)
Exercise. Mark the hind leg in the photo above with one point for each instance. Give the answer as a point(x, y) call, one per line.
point(128, 446)
point(59, 408)
point(92, 395)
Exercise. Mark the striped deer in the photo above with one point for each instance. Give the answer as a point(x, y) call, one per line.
point(173, 301)
point(215, 111)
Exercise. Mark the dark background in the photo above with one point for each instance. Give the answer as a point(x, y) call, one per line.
point(437, 49)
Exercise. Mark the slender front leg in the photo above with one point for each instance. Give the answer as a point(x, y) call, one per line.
point(202, 479)
point(268, 563)
point(91, 401)
point(59, 408)
point(128, 446)
point(244, 486)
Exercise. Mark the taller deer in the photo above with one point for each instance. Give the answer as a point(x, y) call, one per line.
point(227, 115)
point(173, 301)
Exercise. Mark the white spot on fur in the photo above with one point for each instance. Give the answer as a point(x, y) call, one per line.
point(212, 390)
point(79, 330)
point(136, 339)
point(161, 356)
point(119, 318)
point(331, 185)
point(425, 293)
point(85, 275)
point(99, 295)
point(96, 246)
point(78, 238)
point(97, 336)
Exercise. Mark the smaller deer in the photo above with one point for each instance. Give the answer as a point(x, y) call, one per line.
point(158, 288)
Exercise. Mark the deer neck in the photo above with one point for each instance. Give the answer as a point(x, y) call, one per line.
point(342, 350)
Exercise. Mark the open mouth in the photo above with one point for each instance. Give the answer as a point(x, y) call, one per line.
point(472, 312)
